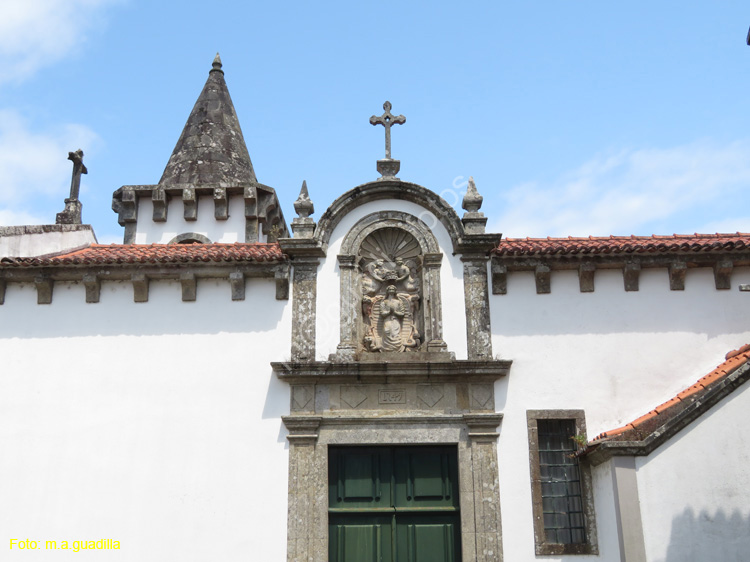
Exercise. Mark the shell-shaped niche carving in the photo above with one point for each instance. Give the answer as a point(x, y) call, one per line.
point(390, 266)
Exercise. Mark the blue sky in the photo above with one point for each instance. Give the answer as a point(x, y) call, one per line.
point(575, 118)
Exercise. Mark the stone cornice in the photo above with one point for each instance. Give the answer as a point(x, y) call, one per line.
point(391, 371)
point(91, 275)
point(301, 248)
point(631, 264)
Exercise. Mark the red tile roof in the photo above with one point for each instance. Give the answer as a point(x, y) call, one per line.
point(641, 427)
point(689, 243)
point(99, 254)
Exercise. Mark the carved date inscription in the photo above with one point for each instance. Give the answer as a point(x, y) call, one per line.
point(392, 397)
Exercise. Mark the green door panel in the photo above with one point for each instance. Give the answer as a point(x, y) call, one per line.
point(428, 538)
point(393, 504)
point(359, 477)
point(426, 477)
point(360, 538)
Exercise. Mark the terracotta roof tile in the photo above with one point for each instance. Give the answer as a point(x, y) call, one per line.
point(649, 422)
point(99, 254)
point(689, 243)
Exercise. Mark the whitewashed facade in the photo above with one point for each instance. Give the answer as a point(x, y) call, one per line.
point(182, 398)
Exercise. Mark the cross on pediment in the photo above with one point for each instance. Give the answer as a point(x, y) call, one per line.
point(387, 120)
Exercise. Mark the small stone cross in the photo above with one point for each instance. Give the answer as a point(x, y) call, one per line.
point(387, 119)
point(78, 169)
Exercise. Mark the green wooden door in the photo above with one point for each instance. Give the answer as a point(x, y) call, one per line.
point(393, 504)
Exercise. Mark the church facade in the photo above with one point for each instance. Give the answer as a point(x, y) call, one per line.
point(383, 381)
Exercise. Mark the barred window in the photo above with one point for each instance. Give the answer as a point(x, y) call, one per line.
point(561, 488)
point(560, 477)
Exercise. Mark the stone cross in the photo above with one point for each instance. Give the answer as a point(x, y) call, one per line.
point(78, 169)
point(387, 119)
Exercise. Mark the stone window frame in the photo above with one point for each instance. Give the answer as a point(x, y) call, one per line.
point(350, 325)
point(542, 547)
point(474, 435)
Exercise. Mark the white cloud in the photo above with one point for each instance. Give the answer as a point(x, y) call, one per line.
point(33, 166)
point(36, 33)
point(634, 192)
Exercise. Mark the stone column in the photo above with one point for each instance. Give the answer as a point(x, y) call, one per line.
point(488, 542)
point(477, 301)
point(304, 293)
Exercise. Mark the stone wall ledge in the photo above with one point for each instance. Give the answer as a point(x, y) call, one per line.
point(391, 371)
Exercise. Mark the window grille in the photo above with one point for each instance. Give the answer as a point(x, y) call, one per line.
point(560, 475)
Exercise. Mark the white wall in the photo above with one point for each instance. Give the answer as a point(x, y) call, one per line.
point(451, 280)
point(227, 231)
point(614, 354)
point(695, 490)
point(44, 243)
point(156, 424)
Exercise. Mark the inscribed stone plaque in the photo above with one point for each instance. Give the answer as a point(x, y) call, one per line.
point(392, 396)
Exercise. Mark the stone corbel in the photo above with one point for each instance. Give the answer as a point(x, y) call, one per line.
point(140, 287)
point(190, 204)
point(189, 286)
point(303, 430)
point(160, 201)
point(221, 204)
point(677, 272)
point(586, 277)
point(282, 283)
point(251, 213)
point(44, 287)
point(499, 278)
point(93, 287)
point(128, 207)
point(723, 274)
point(237, 282)
point(631, 274)
point(542, 276)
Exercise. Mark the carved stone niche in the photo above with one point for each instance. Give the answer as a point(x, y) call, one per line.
point(390, 290)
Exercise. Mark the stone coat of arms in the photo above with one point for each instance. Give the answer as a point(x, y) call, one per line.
point(391, 294)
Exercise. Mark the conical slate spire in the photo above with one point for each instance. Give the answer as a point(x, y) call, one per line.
point(211, 148)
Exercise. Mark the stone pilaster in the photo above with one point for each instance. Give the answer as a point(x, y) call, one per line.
point(477, 301)
point(304, 294)
point(434, 323)
point(347, 346)
point(304, 509)
point(488, 546)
